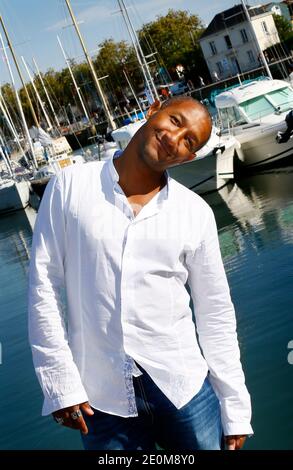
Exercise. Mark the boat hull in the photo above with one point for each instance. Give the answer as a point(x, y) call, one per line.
point(209, 173)
point(260, 148)
point(14, 196)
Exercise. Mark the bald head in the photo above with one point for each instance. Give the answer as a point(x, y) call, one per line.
point(187, 99)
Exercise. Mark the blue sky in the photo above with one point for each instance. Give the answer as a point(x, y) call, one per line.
point(34, 24)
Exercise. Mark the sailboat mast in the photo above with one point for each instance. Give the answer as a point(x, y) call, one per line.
point(93, 72)
point(19, 72)
point(73, 79)
point(133, 92)
point(46, 93)
point(7, 111)
point(261, 54)
point(19, 104)
point(11, 126)
point(37, 94)
point(139, 51)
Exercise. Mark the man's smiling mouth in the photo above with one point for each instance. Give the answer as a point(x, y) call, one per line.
point(162, 147)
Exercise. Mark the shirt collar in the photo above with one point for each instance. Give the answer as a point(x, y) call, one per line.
point(112, 170)
point(115, 176)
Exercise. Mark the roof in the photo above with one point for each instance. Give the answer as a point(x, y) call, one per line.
point(239, 94)
point(231, 17)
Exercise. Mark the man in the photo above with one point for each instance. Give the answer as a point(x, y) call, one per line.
point(124, 365)
point(215, 76)
point(201, 81)
point(291, 75)
point(283, 137)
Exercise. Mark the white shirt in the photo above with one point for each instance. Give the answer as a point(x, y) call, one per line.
point(125, 282)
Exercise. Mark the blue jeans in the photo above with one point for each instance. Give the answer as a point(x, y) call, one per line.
point(195, 426)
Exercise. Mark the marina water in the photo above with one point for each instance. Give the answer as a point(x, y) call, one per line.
point(255, 222)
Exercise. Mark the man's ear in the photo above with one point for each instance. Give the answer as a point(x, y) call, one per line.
point(192, 156)
point(154, 108)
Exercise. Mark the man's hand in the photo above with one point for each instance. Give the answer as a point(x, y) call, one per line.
point(71, 417)
point(234, 442)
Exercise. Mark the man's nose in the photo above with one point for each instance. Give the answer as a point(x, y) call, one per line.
point(172, 138)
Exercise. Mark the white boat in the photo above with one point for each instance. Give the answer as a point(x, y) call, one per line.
point(41, 177)
point(14, 195)
point(254, 113)
point(212, 167)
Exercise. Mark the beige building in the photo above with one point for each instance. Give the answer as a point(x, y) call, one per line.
point(228, 44)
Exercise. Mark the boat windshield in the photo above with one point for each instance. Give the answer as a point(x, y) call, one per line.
point(282, 98)
point(257, 107)
point(278, 100)
point(231, 117)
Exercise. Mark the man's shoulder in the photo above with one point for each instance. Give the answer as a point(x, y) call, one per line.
point(81, 170)
point(193, 199)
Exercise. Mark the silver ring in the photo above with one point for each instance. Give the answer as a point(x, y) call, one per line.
point(76, 414)
point(59, 420)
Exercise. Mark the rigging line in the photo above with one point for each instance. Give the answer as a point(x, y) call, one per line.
point(57, 103)
point(67, 30)
point(42, 94)
point(11, 109)
point(153, 48)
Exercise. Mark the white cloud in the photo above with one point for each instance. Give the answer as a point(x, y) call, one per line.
point(101, 13)
point(93, 13)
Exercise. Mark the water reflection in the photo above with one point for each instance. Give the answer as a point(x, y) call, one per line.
point(255, 220)
point(260, 207)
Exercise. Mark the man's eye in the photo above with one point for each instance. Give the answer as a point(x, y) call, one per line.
point(189, 144)
point(175, 120)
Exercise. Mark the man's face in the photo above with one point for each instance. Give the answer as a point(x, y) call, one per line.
point(172, 135)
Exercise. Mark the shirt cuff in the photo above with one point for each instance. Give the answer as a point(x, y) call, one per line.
point(237, 429)
point(62, 401)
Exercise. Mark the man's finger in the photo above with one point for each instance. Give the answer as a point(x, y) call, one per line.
point(83, 426)
point(78, 421)
point(234, 442)
point(85, 408)
point(62, 414)
point(230, 443)
point(67, 423)
point(240, 442)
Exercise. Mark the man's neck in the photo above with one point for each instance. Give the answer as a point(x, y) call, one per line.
point(135, 178)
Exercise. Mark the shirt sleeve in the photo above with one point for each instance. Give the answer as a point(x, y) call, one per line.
point(52, 357)
point(216, 328)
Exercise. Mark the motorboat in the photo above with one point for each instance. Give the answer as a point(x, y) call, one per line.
point(255, 114)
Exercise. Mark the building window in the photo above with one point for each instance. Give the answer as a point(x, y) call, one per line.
point(220, 67)
point(213, 48)
point(244, 35)
point(264, 27)
point(228, 41)
point(251, 57)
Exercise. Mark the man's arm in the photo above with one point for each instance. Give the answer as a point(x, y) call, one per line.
point(216, 327)
point(53, 361)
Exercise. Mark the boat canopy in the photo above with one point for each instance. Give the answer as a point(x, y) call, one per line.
point(244, 93)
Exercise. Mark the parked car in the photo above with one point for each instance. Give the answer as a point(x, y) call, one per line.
point(178, 88)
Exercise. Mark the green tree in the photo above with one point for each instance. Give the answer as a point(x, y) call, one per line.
point(11, 105)
point(175, 36)
point(284, 27)
point(113, 59)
